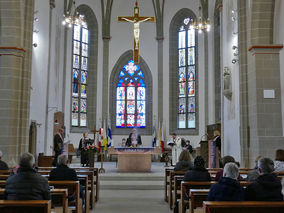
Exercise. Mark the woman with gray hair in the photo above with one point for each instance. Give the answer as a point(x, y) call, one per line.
point(228, 188)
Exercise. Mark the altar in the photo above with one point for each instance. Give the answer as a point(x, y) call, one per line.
point(134, 159)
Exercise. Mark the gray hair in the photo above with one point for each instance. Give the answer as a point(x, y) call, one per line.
point(1, 154)
point(62, 160)
point(27, 160)
point(231, 170)
point(266, 165)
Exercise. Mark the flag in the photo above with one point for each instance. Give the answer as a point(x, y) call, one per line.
point(160, 131)
point(154, 136)
point(162, 140)
point(109, 137)
point(105, 137)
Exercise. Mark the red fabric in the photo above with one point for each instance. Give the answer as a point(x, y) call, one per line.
point(163, 146)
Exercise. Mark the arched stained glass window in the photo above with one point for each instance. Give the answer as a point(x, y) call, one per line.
point(79, 75)
point(131, 97)
point(186, 76)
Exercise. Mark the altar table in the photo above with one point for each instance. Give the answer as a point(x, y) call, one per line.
point(134, 159)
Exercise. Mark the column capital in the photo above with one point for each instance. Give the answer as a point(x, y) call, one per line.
point(265, 49)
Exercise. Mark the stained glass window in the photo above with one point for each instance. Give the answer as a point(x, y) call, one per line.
point(131, 97)
point(79, 75)
point(186, 76)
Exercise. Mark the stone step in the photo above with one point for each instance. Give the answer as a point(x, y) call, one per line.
point(132, 185)
point(130, 178)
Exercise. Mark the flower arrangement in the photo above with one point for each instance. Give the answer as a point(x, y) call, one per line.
point(91, 149)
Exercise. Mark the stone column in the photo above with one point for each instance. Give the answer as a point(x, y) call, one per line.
point(265, 115)
point(16, 20)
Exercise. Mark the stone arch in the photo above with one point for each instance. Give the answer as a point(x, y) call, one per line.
point(173, 74)
point(92, 23)
point(123, 59)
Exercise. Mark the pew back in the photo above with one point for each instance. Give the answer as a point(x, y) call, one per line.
point(25, 206)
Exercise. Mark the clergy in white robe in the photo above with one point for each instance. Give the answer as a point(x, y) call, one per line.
point(176, 148)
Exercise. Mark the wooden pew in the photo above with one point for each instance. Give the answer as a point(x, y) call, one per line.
point(243, 207)
point(171, 187)
point(5, 172)
point(25, 206)
point(73, 187)
point(4, 177)
point(90, 186)
point(84, 182)
point(186, 186)
point(177, 188)
point(199, 190)
point(167, 181)
point(63, 193)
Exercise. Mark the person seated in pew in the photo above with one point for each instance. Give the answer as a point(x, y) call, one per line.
point(279, 161)
point(228, 188)
point(226, 159)
point(27, 184)
point(3, 164)
point(253, 174)
point(199, 172)
point(63, 173)
point(267, 186)
point(184, 162)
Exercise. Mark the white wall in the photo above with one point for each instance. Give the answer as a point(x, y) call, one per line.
point(231, 113)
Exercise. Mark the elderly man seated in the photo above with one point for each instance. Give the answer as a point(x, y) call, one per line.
point(27, 184)
point(228, 188)
point(267, 187)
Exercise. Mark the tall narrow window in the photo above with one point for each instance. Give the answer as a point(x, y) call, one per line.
point(131, 97)
point(79, 77)
point(186, 76)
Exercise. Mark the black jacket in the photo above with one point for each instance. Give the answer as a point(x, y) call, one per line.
point(267, 187)
point(197, 174)
point(27, 185)
point(183, 166)
point(63, 172)
point(227, 189)
point(3, 165)
point(139, 141)
point(57, 144)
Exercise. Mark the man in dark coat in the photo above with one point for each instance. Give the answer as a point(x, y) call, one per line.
point(27, 184)
point(228, 188)
point(267, 186)
point(3, 165)
point(135, 138)
point(63, 172)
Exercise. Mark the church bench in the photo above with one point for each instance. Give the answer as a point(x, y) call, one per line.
point(90, 185)
point(187, 187)
point(197, 196)
point(167, 181)
point(25, 206)
point(243, 206)
point(5, 172)
point(73, 188)
point(171, 186)
point(62, 193)
point(84, 182)
point(177, 188)
point(4, 177)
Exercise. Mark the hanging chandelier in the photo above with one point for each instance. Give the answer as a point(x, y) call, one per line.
point(200, 24)
point(77, 19)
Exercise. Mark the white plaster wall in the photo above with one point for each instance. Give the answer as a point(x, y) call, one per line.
point(39, 70)
point(279, 39)
point(231, 113)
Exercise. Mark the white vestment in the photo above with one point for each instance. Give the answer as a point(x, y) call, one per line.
point(176, 150)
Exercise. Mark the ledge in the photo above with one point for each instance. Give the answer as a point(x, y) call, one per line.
point(13, 48)
point(265, 47)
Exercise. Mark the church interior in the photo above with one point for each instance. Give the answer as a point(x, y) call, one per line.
point(150, 68)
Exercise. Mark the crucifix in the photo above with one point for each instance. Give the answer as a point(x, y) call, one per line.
point(136, 20)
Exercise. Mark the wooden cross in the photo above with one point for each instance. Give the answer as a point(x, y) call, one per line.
point(136, 20)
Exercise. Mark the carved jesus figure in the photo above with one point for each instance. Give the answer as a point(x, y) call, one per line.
point(136, 29)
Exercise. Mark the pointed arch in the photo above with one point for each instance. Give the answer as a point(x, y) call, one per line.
point(91, 82)
point(114, 80)
point(189, 127)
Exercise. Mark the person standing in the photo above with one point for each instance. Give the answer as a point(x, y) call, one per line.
point(135, 138)
point(58, 144)
point(176, 148)
point(82, 145)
